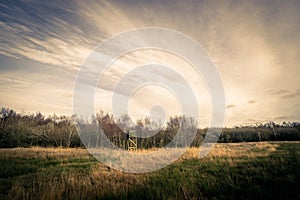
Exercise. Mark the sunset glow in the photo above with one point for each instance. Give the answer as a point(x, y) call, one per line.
point(255, 46)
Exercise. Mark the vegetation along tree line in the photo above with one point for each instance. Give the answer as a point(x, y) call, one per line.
point(25, 130)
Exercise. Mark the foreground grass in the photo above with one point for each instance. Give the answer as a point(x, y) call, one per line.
point(230, 171)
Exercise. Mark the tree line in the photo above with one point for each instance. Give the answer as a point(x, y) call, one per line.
point(35, 129)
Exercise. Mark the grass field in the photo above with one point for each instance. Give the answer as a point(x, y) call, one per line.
point(230, 171)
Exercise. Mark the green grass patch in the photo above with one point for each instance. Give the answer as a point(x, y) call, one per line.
point(276, 175)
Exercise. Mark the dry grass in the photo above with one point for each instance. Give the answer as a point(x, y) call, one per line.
point(41, 152)
point(251, 150)
point(61, 173)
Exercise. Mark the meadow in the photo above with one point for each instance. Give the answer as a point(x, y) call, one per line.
point(254, 170)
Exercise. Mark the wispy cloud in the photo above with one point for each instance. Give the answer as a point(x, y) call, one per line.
point(291, 95)
point(43, 33)
point(284, 93)
point(278, 91)
point(13, 81)
point(230, 106)
point(254, 44)
point(280, 118)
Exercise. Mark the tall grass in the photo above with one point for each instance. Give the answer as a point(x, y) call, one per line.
point(230, 171)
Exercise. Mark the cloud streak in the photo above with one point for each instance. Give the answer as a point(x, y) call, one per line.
point(230, 106)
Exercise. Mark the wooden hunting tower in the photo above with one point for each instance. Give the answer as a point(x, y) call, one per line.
point(132, 140)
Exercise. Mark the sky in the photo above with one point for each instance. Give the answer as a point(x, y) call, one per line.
point(255, 46)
